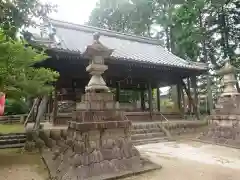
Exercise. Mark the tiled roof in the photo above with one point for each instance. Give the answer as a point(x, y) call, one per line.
point(75, 37)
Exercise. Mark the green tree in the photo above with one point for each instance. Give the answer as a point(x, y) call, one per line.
point(196, 30)
point(18, 77)
point(19, 13)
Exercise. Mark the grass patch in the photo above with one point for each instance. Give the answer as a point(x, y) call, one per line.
point(11, 128)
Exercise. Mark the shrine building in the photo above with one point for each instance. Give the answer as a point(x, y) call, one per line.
point(137, 63)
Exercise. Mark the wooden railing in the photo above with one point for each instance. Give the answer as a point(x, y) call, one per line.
point(13, 118)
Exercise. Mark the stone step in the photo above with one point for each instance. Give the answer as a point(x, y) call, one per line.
point(19, 145)
point(149, 141)
point(12, 141)
point(5, 137)
point(142, 131)
point(147, 136)
point(145, 126)
point(9, 134)
point(173, 116)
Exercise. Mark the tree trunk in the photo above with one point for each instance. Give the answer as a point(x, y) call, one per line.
point(205, 55)
point(191, 100)
point(37, 105)
point(237, 84)
point(40, 112)
point(36, 101)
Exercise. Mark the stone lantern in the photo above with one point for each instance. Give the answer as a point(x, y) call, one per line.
point(227, 110)
point(97, 52)
point(229, 81)
point(98, 143)
point(225, 118)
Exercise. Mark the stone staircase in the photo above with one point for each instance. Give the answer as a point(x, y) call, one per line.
point(154, 132)
point(12, 140)
point(145, 133)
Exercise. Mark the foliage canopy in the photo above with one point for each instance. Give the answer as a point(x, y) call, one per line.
point(16, 14)
point(18, 77)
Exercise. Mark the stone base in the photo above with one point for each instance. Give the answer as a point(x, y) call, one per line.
point(228, 105)
point(99, 153)
point(225, 120)
point(223, 135)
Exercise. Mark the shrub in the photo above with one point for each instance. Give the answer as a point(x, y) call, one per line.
point(15, 107)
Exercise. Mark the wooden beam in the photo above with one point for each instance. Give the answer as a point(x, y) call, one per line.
point(190, 99)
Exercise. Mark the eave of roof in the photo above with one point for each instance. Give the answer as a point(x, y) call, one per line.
point(127, 47)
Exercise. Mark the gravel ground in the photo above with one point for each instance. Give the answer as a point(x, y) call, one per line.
point(21, 172)
point(184, 160)
point(191, 161)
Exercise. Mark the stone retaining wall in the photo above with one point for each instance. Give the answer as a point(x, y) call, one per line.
point(177, 129)
point(222, 135)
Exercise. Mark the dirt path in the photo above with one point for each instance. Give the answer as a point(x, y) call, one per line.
point(191, 161)
point(17, 166)
point(184, 160)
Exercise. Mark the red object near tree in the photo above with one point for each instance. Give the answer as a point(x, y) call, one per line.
point(2, 103)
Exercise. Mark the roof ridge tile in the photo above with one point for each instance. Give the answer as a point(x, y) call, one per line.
point(103, 31)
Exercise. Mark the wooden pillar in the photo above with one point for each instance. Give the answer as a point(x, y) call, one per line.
point(183, 101)
point(179, 92)
point(55, 105)
point(209, 94)
point(158, 99)
point(50, 103)
point(150, 97)
point(117, 96)
point(142, 100)
point(194, 85)
point(189, 101)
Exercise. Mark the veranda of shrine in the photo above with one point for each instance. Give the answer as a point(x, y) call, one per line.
point(137, 63)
